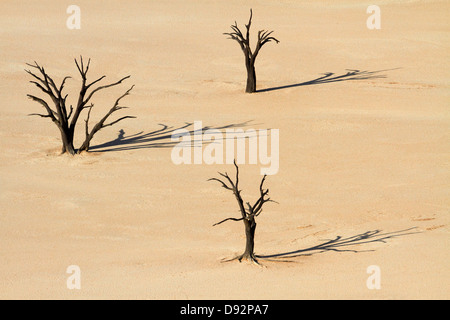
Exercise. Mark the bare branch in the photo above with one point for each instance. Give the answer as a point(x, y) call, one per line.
point(247, 39)
point(257, 208)
point(114, 122)
point(250, 209)
point(237, 173)
point(51, 83)
point(41, 87)
point(86, 128)
point(61, 114)
point(94, 82)
point(43, 81)
point(70, 112)
point(250, 57)
point(233, 219)
point(82, 102)
point(79, 68)
point(263, 38)
point(248, 217)
point(225, 175)
point(223, 183)
point(87, 67)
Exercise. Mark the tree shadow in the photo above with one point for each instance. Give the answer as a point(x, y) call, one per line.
point(340, 244)
point(160, 138)
point(332, 77)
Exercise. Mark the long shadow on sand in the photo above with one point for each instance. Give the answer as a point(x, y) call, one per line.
point(340, 244)
point(160, 138)
point(330, 77)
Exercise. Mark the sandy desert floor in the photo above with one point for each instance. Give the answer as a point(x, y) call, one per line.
point(364, 163)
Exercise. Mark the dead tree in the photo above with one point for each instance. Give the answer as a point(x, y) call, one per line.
point(264, 36)
point(248, 212)
point(66, 118)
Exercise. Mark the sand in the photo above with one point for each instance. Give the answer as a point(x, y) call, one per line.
point(363, 163)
